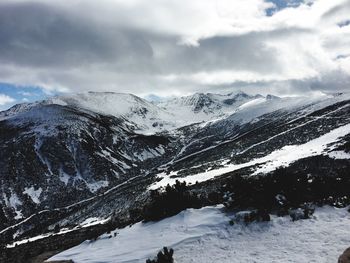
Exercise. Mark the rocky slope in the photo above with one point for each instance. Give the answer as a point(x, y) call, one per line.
point(97, 155)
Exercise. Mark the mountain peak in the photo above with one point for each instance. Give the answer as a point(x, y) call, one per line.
point(238, 94)
point(271, 97)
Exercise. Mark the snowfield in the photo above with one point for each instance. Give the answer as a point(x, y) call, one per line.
point(204, 235)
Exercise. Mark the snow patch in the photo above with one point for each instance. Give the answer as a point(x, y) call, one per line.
point(88, 222)
point(93, 221)
point(339, 155)
point(64, 177)
point(289, 154)
point(15, 202)
point(33, 194)
point(107, 155)
point(149, 153)
point(93, 187)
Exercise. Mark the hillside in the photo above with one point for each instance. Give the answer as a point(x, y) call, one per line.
point(107, 158)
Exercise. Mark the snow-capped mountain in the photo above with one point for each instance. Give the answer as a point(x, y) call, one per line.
point(71, 158)
point(146, 117)
point(202, 107)
point(208, 103)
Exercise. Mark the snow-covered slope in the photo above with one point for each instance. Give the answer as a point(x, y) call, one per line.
point(155, 117)
point(204, 235)
point(278, 158)
point(204, 107)
point(100, 153)
point(149, 118)
point(67, 140)
point(256, 133)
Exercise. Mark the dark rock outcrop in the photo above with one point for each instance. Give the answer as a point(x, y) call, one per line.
point(345, 257)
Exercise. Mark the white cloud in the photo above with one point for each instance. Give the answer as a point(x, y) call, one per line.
point(173, 46)
point(4, 99)
point(190, 20)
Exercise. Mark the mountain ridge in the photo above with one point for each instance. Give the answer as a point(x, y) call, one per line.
point(65, 162)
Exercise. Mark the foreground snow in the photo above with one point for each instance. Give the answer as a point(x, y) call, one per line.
point(204, 235)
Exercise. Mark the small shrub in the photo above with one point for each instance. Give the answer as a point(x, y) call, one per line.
point(165, 256)
point(304, 212)
point(251, 216)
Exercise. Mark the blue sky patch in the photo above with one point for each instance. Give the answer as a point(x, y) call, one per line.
point(13, 94)
point(344, 23)
point(281, 4)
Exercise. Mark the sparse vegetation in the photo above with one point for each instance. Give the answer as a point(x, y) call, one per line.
point(170, 202)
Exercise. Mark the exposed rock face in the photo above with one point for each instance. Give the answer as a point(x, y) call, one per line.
point(53, 156)
point(345, 257)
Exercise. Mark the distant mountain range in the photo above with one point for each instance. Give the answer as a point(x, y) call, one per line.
point(74, 157)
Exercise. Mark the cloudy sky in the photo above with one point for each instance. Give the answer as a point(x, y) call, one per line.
point(172, 47)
